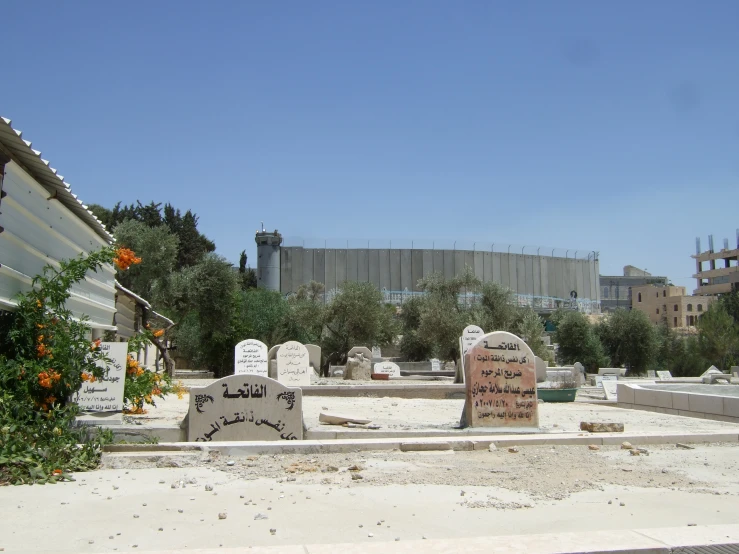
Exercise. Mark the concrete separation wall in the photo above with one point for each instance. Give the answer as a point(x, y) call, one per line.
point(704, 406)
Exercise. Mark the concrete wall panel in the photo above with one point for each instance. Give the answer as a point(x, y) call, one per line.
point(416, 268)
point(438, 258)
point(285, 268)
point(543, 263)
point(395, 270)
point(319, 266)
point(449, 264)
point(297, 272)
point(385, 269)
point(406, 276)
point(521, 285)
point(330, 269)
point(374, 267)
point(479, 265)
point(363, 265)
point(340, 271)
point(308, 274)
point(428, 262)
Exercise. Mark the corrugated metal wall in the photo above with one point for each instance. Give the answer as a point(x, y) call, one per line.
point(40, 231)
point(400, 269)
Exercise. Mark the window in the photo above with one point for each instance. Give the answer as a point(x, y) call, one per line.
point(675, 308)
point(690, 307)
point(638, 297)
point(700, 307)
point(675, 320)
point(657, 311)
point(656, 294)
point(664, 293)
point(605, 292)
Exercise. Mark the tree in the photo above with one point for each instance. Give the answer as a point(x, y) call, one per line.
point(413, 346)
point(718, 337)
point(247, 277)
point(629, 339)
point(499, 312)
point(157, 248)
point(356, 316)
point(578, 342)
point(530, 329)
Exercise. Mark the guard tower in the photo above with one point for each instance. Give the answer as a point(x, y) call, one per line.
point(268, 259)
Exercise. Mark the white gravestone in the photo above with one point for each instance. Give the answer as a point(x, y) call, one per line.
point(250, 358)
point(245, 408)
point(106, 394)
point(664, 375)
point(435, 364)
point(390, 368)
point(314, 356)
point(610, 389)
point(470, 336)
point(376, 352)
point(366, 352)
point(500, 383)
point(293, 367)
point(272, 354)
point(600, 378)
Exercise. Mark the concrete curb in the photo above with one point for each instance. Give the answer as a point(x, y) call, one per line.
point(237, 448)
point(706, 538)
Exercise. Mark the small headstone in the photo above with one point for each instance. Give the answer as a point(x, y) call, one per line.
point(250, 358)
point(106, 394)
point(245, 408)
point(389, 368)
point(579, 368)
point(358, 368)
point(314, 356)
point(713, 370)
point(272, 354)
point(610, 389)
point(500, 378)
point(664, 375)
point(376, 352)
point(470, 336)
point(651, 374)
point(366, 352)
point(292, 365)
point(541, 369)
point(435, 364)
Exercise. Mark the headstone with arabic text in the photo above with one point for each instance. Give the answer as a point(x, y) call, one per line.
point(245, 408)
point(293, 364)
point(389, 368)
point(250, 357)
point(106, 394)
point(500, 383)
point(435, 364)
point(470, 335)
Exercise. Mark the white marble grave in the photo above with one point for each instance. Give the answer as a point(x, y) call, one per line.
point(390, 368)
point(250, 357)
point(106, 394)
point(293, 367)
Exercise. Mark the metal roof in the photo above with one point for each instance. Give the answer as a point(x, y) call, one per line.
point(48, 176)
point(132, 295)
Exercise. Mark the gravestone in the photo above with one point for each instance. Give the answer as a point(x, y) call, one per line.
point(366, 352)
point(389, 368)
point(470, 335)
point(435, 364)
point(106, 394)
point(358, 367)
point(664, 375)
point(610, 388)
point(541, 369)
point(293, 368)
point(711, 371)
point(651, 374)
point(245, 408)
point(314, 356)
point(599, 379)
point(250, 357)
point(376, 352)
point(500, 383)
point(272, 354)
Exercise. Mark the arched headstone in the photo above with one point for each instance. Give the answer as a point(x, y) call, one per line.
point(272, 354)
point(366, 352)
point(293, 367)
point(389, 368)
point(250, 357)
point(314, 356)
point(470, 336)
point(500, 383)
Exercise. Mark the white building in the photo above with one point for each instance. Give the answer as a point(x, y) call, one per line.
point(42, 222)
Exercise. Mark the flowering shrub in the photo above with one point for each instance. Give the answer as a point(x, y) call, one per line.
point(143, 386)
point(44, 358)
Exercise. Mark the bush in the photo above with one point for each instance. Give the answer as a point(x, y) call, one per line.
point(46, 355)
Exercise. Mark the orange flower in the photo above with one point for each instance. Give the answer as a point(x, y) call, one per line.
point(39, 325)
point(57, 472)
point(158, 333)
point(44, 380)
point(41, 351)
point(124, 258)
point(40, 338)
point(38, 303)
point(85, 376)
point(51, 399)
point(157, 392)
point(95, 344)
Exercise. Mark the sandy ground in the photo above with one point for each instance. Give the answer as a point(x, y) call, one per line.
point(415, 414)
point(144, 503)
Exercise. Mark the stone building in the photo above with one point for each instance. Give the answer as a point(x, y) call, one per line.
point(615, 290)
point(670, 304)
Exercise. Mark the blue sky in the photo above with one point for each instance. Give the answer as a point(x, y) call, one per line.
point(579, 125)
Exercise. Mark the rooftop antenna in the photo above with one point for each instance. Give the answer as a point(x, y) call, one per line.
point(710, 244)
point(262, 226)
point(726, 244)
point(698, 244)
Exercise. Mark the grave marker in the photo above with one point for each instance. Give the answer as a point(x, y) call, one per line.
point(470, 335)
point(293, 364)
point(389, 368)
point(106, 394)
point(250, 357)
point(245, 408)
point(366, 352)
point(314, 356)
point(376, 352)
point(651, 374)
point(435, 364)
point(500, 378)
point(664, 375)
